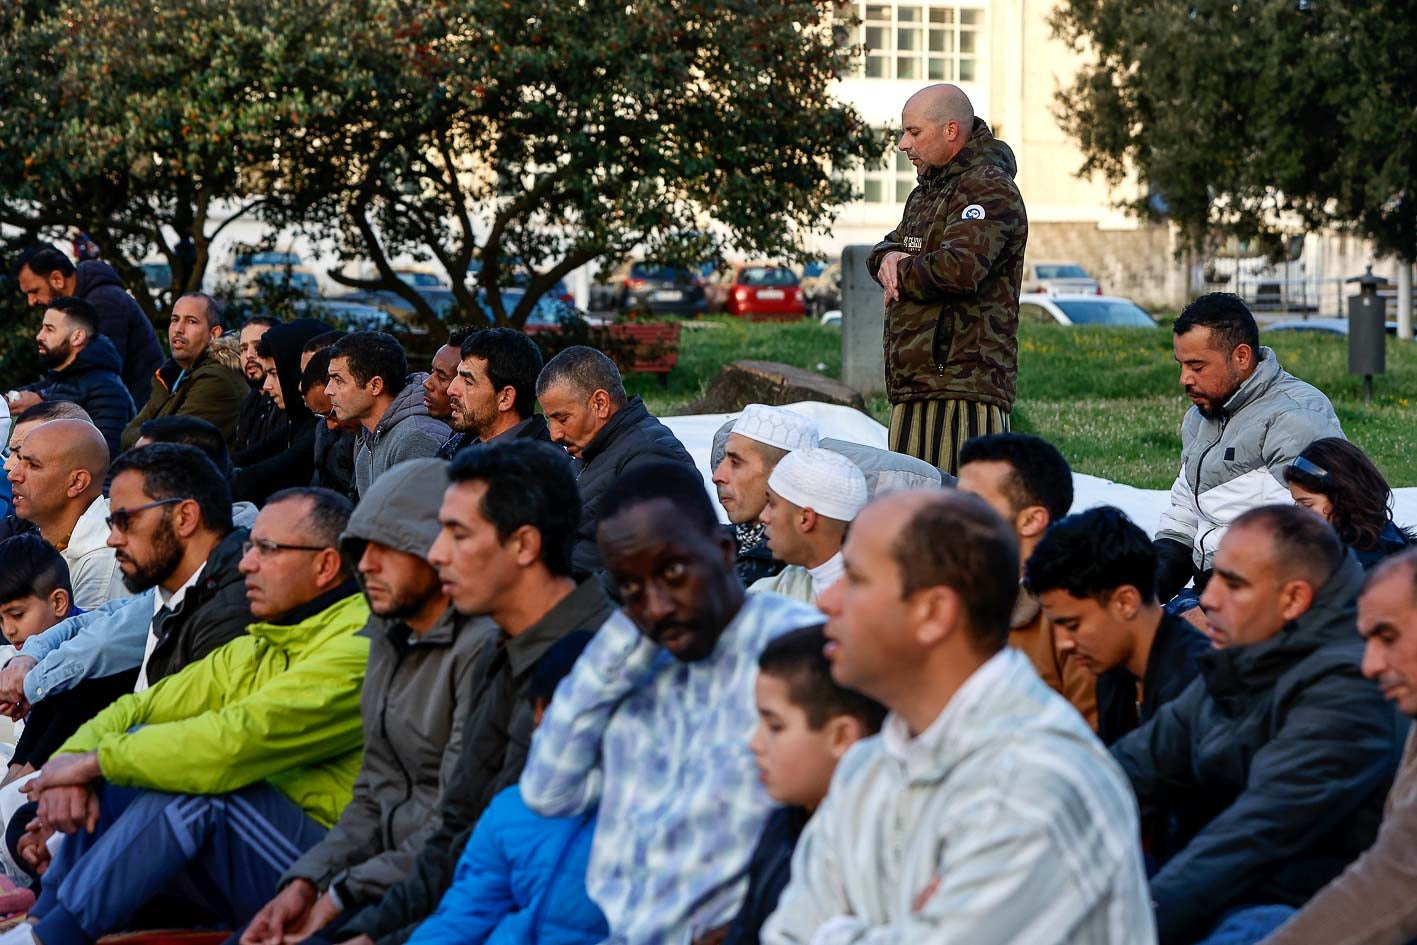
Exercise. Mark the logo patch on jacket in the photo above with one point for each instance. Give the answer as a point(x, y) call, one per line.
point(914, 242)
point(973, 212)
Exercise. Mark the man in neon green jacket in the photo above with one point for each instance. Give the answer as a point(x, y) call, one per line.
point(224, 773)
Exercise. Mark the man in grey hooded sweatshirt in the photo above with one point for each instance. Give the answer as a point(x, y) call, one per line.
point(369, 384)
point(414, 705)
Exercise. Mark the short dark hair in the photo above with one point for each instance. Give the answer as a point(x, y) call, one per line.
point(323, 340)
point(190, 431)
point(212, 309)
point(457, 335)
point(677, 483)
point(1361, 497)
point(513, 360)
point(956, 540)
point(42, 259)
point(177, 471)
point(317, 370)
point(47, 410)
point(31, 567)
point(1227, 316)
point(587, 370)
point(798, 659)
point(329, 512)
point(77, 310)
point(1091, 554)
point(372, 354)
point(555, 665)
point(1304, 544)
point(528, 483)
point(270, 321)
point(1403, 560)
point(1041, 476)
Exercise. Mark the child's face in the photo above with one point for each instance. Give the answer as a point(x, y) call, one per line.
point(23, 617)
point(795, 761)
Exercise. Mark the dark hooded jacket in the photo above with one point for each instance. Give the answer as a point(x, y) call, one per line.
point(121, 321)
point(532, 428)
point(630, 438)
point(213, 612)
point(405, 431)
point(953, 331)
point(294, 464)
point(209, 391)
point(1277, 760)
point(258, 419)
point(415, 703)
point(93, 382)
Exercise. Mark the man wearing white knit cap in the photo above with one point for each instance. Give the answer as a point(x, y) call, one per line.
point(813, 495)
point(759, 439)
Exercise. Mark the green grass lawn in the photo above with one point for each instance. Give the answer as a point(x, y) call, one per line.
point(1108, 398)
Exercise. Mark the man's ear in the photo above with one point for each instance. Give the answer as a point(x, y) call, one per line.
point(525, 543)
point(1124, 602)
point(506, 398)
point(79, 482)
point(375, 386)
point(807, 520)
point(1243, 357)
point(936, 613)
point(1295, 598)
point(1031, 521)
point(601, 405)
point(56, 281)
point(216, 332)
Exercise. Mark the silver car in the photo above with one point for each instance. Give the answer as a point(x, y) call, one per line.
point(1058, 278)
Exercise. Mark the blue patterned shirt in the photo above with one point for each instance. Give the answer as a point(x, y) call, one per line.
point(662, 746)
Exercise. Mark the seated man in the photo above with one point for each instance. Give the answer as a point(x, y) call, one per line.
point(441, 373)
point(493, 396)
point(83, 367)
point(986, 812)
point(198, 433)
point(370, 385)
point(285, 459)
point(813, 494)
point(335, 442)
point(508, 524)
point(753, 445)
point(1027, 481)
point(58, 479)
point(193, 382)
point(1094, 573)
point(258, 418)
point(606, 432)
point(20, 428)
point(416, 692)
point(224, 773)
point(679, 815)
point(1371, 903)
point(1274, 765)
point(34, 596)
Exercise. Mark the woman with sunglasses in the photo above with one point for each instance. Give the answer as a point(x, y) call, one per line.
point(1336, 480)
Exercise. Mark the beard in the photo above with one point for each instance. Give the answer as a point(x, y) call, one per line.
point(464, 421)
point(53, 357)
point(166, 555)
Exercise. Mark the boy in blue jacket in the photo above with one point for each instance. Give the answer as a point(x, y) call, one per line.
point(521, 877)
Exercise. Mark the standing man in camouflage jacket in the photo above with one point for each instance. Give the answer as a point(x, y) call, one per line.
point(951, 273)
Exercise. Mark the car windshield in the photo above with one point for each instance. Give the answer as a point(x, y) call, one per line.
point(658, 273)
point(766, 276)
point(1064, 271)
point(1106, 313)
point(420, 279)
point(267, 259)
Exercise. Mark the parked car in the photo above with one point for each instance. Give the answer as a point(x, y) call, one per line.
point(758, 292)
point(823, 294)
point(350, 315)
point(1058, 278)
point(297, 279)
point(655, 289)
point(421, 279)
point(270, 259)
point(518, 276)
point(1323, 326)
point(549, 309)
point(1045, 309)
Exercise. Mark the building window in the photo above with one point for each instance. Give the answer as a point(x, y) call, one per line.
point(920, 42)
point(888, 184)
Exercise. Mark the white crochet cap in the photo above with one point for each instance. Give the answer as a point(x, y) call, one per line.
point(776, 427)
point(827, 483)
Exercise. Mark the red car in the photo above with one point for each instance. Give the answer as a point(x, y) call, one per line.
point(759, 292)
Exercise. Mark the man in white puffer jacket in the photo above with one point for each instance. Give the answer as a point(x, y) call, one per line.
point(1250, 419)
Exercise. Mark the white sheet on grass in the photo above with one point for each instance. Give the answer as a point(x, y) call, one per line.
point(1143, 506)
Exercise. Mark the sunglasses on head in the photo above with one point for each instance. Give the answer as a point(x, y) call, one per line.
point(1310, 469)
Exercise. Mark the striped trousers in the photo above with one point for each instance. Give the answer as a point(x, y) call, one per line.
point(934, 430)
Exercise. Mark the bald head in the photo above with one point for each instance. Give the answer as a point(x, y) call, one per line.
point(72, 445)
point(935, 125)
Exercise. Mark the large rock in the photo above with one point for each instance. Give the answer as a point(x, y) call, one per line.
point(767, 382)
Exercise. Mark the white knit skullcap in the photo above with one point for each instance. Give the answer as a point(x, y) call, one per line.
point(827, 483)
point(776, 427)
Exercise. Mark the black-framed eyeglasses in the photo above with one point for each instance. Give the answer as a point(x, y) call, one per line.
point(1310, 468)
point(122, 518)
point(265, 547)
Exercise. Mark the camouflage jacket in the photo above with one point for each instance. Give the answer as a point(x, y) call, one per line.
point(953, 331)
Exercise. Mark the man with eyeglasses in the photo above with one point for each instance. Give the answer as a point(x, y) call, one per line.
point(58, 477)
point(223, 774)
